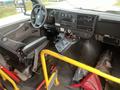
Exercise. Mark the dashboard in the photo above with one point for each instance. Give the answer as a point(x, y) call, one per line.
point(86, 24)
point(82, 25)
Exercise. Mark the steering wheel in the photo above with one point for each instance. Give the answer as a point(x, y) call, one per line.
point(38, 15)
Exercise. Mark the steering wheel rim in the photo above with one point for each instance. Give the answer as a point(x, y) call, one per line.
point(38, 15)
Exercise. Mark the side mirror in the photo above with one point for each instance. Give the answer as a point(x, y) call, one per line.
point(21, 6)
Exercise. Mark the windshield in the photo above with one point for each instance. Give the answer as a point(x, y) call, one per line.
point(99, 5)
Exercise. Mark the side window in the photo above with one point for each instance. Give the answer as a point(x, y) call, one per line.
point(10, 7)
point(23, 6)
point(7, 8)
point(28, 5)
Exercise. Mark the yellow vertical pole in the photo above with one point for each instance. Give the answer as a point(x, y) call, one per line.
point(44, 70)
point(57, 81)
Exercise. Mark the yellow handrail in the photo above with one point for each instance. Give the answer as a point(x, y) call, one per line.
point(5, 76)
point(73, 62)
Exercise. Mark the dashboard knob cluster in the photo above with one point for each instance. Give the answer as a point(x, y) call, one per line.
point(65, 15)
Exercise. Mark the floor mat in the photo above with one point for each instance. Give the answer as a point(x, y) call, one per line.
point(65, 75)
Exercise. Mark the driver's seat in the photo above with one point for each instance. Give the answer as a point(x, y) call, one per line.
point(22, 50)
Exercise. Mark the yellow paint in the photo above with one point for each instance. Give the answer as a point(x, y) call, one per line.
point(5, 76)
point(44, 69)
point(51, 77)
point(75, 63)
point(57, 82)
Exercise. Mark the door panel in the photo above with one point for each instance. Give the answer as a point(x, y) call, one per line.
point(19, 30)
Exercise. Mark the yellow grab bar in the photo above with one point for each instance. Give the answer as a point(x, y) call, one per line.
point(5, 76)
point(73, 62)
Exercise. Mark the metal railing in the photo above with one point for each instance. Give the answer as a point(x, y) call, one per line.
point(6, 77)
point(72, 62)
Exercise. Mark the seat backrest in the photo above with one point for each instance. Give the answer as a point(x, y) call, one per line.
point(33, 45)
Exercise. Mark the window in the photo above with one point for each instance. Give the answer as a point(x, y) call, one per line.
point(7, 8)
point(110, 6)
point(10, 7)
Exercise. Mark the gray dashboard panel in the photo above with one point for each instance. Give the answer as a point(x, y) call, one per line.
point(107, 23)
